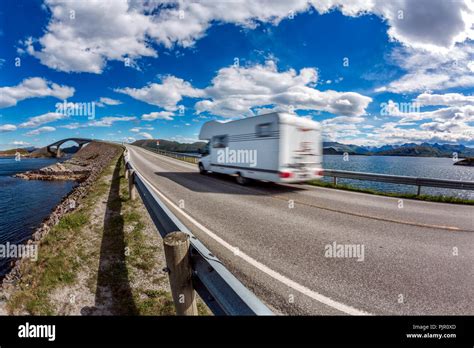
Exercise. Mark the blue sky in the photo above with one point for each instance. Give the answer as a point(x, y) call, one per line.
point(372, 74)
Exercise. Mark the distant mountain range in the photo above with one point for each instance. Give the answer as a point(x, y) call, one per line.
point(408, 149)
point(335, 148)
point(330, 148)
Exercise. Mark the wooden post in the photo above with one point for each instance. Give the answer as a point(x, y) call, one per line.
point(132, 190)
point(176, 245)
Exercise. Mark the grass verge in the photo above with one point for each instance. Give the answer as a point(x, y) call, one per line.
point(105, 258)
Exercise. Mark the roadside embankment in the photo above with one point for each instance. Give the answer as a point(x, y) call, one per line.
point(104, 257)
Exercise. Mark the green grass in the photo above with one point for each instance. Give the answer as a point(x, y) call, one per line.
point(422, 197)
point(63, 254)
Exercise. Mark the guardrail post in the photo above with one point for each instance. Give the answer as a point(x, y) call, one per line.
point(335, 180)
point(132, 190)
point(418, 192)
point(127, 173)
point(176, 245)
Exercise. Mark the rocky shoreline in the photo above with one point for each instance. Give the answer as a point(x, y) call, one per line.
point(92, 159)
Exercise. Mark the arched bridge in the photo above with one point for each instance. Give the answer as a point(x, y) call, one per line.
point(54, 148)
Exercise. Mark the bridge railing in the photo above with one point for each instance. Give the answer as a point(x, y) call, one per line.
point(343, 174)
point(222, 292)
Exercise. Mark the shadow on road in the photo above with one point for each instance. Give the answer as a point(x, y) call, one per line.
point(220, 183)
point(113, 295)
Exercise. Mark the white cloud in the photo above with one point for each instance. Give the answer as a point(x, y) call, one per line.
point(427, 70)
point(103, 101)
point(74, 125)
point(103, 30)
point(158, 115)
point(425, 24)
point(129, 139)
point(139, 129)
point(42, 119)
point(103, 122)
point(166, 95)
point(146, 135)
point(34, 87)
point(7, 128)
point(236, 90)
point(448, 99)
point(41, 130)
point(109, 120)
point(452, 123)
point(443, 132)
point(20, 143)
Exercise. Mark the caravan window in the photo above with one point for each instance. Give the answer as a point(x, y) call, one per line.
point(220, 141)
point(264, 130)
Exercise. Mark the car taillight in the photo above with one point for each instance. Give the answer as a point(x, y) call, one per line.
point(319, 172)
point(285, 175)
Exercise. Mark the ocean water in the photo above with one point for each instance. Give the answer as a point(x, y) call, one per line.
point(23, 203)
point(426, 167)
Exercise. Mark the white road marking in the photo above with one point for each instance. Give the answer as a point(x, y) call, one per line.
point(265, 269)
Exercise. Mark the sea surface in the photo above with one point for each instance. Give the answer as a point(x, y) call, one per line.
point(25, 203)
point(422, 167)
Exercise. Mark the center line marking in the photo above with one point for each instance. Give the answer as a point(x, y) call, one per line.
point(265, 269)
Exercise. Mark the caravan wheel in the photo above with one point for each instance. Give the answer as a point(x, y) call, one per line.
point(241, 180)
point(201, 169)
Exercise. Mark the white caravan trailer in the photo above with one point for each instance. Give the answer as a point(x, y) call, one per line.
point(276, 147)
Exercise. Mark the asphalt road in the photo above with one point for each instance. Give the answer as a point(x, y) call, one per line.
point(418, 257)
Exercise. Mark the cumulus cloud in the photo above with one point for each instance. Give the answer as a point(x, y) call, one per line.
point(450, 132)
point(428, 71)
point(82, 36)
point(451, 122)
point(34, 87)
point(166, 94)
point(7, 128)
point(235, 91)
point(139, 129)
point(448, 99)
point(41, 130)
point(42, 119)
point(103, 101)
point(103, 122)
point(146, 135)
point(109, 120)
point(20, 143)
point(158, 115)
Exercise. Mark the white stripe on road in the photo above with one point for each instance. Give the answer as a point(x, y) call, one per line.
point(267, 270)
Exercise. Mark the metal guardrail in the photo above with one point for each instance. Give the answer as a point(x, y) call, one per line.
point(222, 292)
point(343, 174)
point(398, 179)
